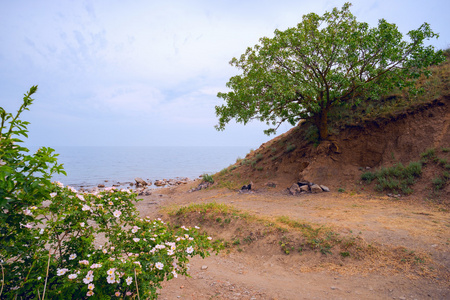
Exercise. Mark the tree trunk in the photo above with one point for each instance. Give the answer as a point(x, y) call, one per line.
point(322, 124)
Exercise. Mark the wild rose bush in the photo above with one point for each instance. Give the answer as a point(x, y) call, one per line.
point(57, 243)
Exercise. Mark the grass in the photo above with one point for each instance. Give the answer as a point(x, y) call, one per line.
point(397, 178)
point(294, 237)
point(207, 178)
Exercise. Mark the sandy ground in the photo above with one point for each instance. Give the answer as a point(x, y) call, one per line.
point(265, 274)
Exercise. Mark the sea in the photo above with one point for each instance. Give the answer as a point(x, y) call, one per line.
point(89, 166)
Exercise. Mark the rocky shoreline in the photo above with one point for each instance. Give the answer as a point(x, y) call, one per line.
point(140, 186)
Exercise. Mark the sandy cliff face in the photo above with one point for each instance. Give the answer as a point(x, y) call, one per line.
point(341, 161)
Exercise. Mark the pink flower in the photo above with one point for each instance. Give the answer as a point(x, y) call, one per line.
point(117, 294)
point(159, 266)
point(117, 213)
point(53, 195)
point(89, 293)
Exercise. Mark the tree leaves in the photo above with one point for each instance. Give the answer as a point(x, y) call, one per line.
point(322, 62)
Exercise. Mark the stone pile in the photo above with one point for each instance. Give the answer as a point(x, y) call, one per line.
point(201, 186)
point(303, 187)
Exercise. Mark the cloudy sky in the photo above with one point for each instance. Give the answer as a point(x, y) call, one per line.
point(145, 72)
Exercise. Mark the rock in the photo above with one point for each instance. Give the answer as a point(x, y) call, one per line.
point(271, 184)
point(140, 182)
point(294, 189)
point(316, 189)
point(324, 188)
point(246, 187)
point(304, 188)
point(204, 267)
point(160, 182)
point(302, 183)
point(101, 185)
point(202, 185)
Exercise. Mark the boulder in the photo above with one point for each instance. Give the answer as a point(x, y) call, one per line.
point(140, 181)
point(101, 185)
point(304, 188)
point(324, 188)
point(294, 189)
point(160, 182)
point(315, 188)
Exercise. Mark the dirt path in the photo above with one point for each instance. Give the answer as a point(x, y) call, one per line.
point(255, 274)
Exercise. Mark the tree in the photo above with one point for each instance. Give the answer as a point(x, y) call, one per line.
point(302, 72)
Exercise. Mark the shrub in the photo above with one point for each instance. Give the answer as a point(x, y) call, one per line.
point(395, 178)
point(207, 178)
point(61, 244)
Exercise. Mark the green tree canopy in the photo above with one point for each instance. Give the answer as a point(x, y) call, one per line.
point(302, 72)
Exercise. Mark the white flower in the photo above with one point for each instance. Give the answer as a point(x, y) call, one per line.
point(117, 213)
point(59, 184)
point(129, 280)
point(41, 231)
point(85, 207)
point(91, 286)
point(33, 207)
point(174, 274)
point(196, 227)
point(105, 251)
point(28, 226)
point(88, 279)
point(72, 276)
point(81, 197)
point(111, 271)
point(96, 266)
point(53, 195)
point(136, 239)
point(72, 256)
point(72, 189)
point(159, 266)
point(82, 224)
point(27, 212)
point(60, 272)
point(160, 246)
point(84, 262)
point(170, 252)
point(189, 250)
point(89, 293)
point(135, 229)
point(111, 279)
point(209, 238)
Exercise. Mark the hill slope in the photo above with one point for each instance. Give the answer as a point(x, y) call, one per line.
point(339, 163)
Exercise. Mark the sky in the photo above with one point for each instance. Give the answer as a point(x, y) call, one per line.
point(147, 73)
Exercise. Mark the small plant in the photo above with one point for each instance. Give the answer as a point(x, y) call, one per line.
point(259, 157)
point(341, 190)
point(344, 254)
point(207, 178)
point(438, 183)
point(290, 148)
point(236, 242)
point(429, 153)
point(368, 176)
point(445, 149)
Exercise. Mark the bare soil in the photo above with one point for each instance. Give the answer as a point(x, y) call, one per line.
point(261, 270)
point(398, 248)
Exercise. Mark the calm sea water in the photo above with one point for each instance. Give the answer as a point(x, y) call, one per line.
point(90, 166)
